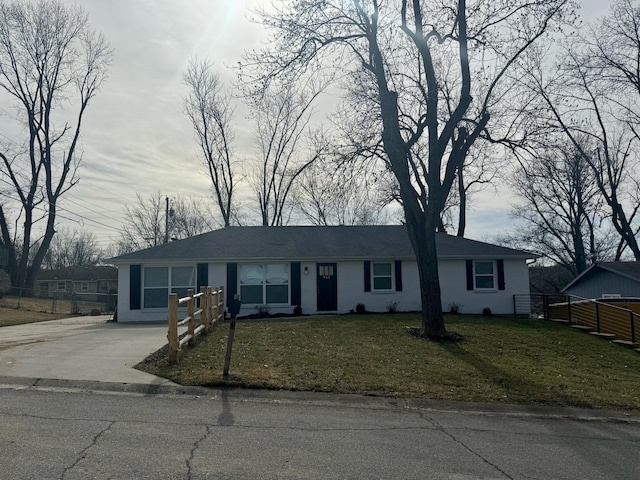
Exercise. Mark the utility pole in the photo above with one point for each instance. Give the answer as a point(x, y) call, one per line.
point(166, 220)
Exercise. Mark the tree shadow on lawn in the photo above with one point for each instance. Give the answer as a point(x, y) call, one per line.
point(514, 388)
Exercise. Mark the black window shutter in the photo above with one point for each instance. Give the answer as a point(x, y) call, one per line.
point(398, 265)
point(203, 276)
point(500, 274)
point(367, 276)
point(469, 274)
point(135, 286)
point(232, 281)
point(296, 288)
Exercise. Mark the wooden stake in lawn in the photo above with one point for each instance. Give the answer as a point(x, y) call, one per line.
point(234, 309)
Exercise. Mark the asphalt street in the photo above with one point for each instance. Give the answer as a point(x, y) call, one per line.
point(58, 432)
point(72, 407)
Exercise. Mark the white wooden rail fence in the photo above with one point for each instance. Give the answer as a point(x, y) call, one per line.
point(210, 312)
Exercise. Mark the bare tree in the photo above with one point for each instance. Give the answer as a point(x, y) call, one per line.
point(157, 219)
point(335, 193)
point(562, 208)
point(72, 249)
point(583, 99)
point(281, 113)
point(208, 108)
point(396, 49)
point(50, 61)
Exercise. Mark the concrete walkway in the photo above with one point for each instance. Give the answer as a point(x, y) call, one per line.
point(81, 348)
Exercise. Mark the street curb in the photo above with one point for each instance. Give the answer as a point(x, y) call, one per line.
point(284, 397)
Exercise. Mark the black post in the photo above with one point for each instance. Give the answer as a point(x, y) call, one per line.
point(569, 307)
point(545, 307)
point(633, 327)
point(234, 309)
point(598, 317)
point(227, 357)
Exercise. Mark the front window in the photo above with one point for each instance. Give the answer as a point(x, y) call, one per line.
point(382, 276)
point(484, 275)
point(264, 284)
point(84, 286)
point(182, 279)
point(61, 286)
point(156, 287)
point(160, 281)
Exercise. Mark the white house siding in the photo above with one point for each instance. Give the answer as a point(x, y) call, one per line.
point(350, 278)
point(453, 287)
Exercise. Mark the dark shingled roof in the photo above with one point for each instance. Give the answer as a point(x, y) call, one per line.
point(79, 273)
point(313, 244)
point(630, 270)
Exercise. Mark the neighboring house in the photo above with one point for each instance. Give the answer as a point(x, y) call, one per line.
point(321, 269)
point(89, 281)
point(607, 279)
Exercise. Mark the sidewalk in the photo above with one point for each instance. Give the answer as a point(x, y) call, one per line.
point(80, 348)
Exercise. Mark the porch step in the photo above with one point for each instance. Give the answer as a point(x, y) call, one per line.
point(607, 336)
point(584, 328)
point(626, 343)
point(560, 320)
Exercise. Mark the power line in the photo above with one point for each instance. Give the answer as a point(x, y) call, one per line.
point(82, 217)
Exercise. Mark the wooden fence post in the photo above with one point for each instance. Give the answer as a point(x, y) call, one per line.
point(191, 324)
point(172, 334)
point(221, 302)
point(204, 316)
point(214, 305)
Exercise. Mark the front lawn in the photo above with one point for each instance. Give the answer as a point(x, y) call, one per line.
point(502, 360)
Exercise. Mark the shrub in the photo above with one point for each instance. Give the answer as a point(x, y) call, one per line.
point(297, 310)
point(392, 307)
point(486, 311)
point(360, 308)
point(455, 307)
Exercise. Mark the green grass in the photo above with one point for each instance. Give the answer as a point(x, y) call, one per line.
point(502, 360)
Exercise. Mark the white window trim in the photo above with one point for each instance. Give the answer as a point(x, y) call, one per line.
point(264, 285)
point(392, 275)
point(494, 275)
point(169, 287)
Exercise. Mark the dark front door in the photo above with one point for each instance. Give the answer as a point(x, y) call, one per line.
point(327, 287)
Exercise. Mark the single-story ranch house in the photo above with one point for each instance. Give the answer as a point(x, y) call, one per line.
point(90, 281)
point(320, 269)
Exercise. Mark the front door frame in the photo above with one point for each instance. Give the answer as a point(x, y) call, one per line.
point(327, 287)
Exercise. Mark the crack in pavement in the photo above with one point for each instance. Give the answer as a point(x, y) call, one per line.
point(441, 428)
point(195, 447)
point(223, 425)
point(82, 454)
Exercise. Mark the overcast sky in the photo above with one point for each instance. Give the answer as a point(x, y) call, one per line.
point(136, 138)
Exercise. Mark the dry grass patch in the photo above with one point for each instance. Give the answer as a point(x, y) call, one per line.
point(18, 311)
point(502, 360)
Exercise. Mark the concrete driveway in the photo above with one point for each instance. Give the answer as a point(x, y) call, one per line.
point(80, 348)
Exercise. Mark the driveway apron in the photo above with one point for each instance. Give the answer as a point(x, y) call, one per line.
point(81, 348)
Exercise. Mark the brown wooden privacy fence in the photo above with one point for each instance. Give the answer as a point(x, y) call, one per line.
point(600, 316)
point(199, 319)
